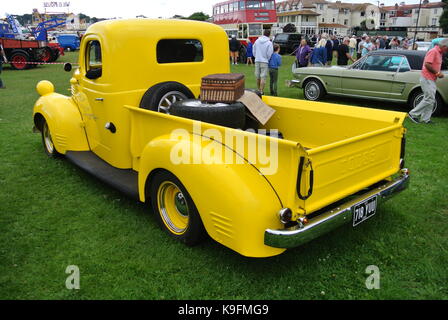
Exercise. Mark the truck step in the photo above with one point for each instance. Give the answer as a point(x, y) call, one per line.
point(125, 180)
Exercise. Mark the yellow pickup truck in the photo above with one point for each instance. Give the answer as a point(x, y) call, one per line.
point(253, 192)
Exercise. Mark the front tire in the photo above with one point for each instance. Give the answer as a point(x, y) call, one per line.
point(175, 210)
point(47, 141)
point(313, 90)
point(417, 96)
point(19, 60)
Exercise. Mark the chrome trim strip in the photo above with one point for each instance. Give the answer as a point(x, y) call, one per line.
point(327, 221)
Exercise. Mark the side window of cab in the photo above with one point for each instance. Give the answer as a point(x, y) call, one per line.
point(94, 66)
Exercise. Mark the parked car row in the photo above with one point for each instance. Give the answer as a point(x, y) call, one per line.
point(389, 75)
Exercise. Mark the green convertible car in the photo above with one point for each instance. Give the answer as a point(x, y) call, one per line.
point(391, 75)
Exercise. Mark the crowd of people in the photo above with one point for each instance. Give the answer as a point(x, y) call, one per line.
point(326, 48)
point(329, 47)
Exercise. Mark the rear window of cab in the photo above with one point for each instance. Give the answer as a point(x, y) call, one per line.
point(179, 50)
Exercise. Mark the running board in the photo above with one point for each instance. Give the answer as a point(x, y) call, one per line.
point(125, 180)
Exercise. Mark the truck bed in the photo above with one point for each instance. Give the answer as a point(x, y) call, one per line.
point(348, 148)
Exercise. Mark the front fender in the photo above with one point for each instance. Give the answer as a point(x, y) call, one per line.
point(306, 78)
point(236, 203)
point(64, 120)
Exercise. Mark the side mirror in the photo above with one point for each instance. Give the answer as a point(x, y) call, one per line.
point(68, 67)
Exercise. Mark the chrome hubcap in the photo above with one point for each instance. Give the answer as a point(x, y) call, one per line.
point(312, 91)
point(173, 207)
point(419, 99)
point(168, 99)
point(47, 139)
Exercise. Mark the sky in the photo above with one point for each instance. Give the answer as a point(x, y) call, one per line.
point(132, 8)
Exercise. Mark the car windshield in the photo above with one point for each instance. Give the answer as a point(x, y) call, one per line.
point(382, 63)
point(281, 37)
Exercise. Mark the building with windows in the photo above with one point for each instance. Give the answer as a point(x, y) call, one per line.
point(409, 16)
point(325, 16)
point(321, 16)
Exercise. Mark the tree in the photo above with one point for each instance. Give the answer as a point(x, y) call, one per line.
point(82, 16)
point(289, 28)
point(200, 16)
point(24, 19)
point(444, 17)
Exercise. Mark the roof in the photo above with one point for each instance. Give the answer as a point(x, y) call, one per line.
point(298, 13)
point(430, 5)
point(351, 6)
point(332, 25)
point(305, 3)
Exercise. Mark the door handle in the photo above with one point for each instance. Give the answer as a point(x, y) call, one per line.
point(111, 127)
point(99, 99)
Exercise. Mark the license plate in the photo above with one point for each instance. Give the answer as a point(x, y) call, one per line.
point(364, 210)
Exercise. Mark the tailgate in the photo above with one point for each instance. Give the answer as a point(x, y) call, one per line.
point(345, 167)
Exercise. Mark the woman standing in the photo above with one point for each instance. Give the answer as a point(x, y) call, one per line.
point(303, 54)
point(319, 54)
point(249, 52)
point(234, 45)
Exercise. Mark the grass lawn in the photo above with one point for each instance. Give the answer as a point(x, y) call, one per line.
point(53, 215)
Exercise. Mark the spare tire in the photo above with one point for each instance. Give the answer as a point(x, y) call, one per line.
point(161, 96)
point(227, 115)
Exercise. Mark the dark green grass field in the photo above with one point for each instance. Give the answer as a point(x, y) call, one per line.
point(53, 215)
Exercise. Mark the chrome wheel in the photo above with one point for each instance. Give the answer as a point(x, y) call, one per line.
point(312, 91)
point(173, 207)
point(48, 142)
point(168, 99)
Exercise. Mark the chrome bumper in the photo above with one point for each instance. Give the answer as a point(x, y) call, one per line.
point(293, 83)
point(327, 221)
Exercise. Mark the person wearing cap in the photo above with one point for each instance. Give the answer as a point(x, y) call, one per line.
point(234, 45)
point(431, 71)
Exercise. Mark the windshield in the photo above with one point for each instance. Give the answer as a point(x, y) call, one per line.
point(281, 37)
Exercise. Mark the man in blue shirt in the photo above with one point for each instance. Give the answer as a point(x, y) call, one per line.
point(274, 63)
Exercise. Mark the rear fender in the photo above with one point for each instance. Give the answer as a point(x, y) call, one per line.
point(64, 120)
point(235, 202)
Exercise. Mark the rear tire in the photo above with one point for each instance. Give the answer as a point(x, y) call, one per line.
point(175, 210)
point(47, 55)
point(313, 90)
point(417, 96)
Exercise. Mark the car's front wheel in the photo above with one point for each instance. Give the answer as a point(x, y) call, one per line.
point(47, 141)
point(313, 90)
point(417, 97)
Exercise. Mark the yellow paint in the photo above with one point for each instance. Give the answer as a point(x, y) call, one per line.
point(348, 148)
